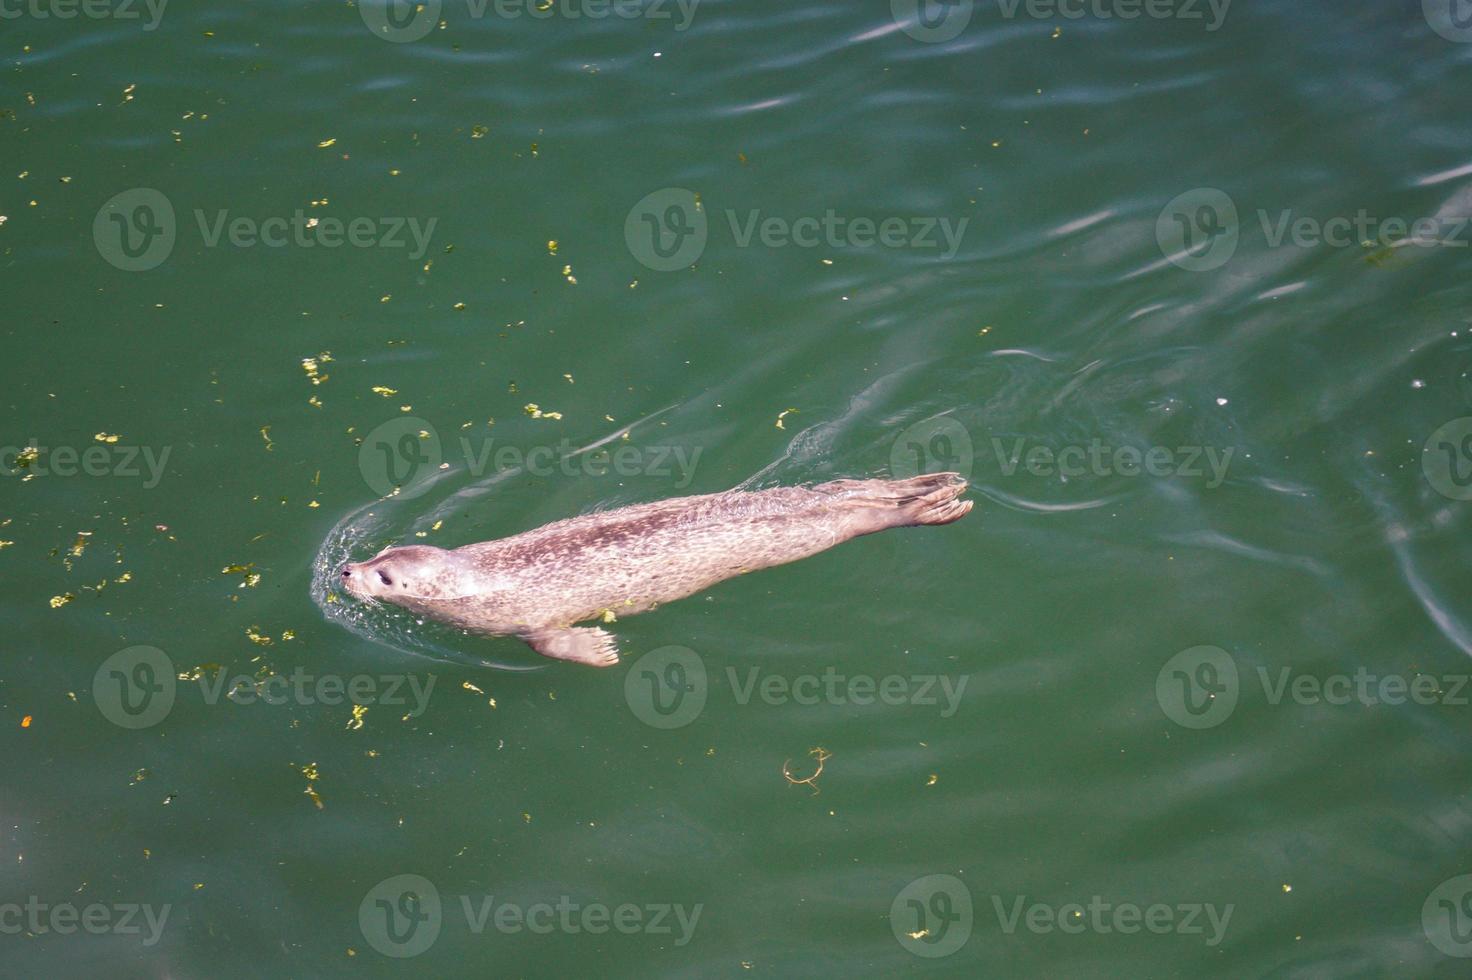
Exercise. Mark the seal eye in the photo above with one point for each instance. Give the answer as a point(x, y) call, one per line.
point(385, 579)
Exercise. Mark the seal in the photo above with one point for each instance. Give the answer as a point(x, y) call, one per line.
point(620, 562)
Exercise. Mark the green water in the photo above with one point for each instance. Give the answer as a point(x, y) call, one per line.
point(1197, 412)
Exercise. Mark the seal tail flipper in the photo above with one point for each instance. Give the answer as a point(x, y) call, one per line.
point(935, 504)
point(932, 498)
point(582, 644)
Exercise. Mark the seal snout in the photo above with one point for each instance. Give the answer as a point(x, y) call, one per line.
point(353, 579)
point(372, 579)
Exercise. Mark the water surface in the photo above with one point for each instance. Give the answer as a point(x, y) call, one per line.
point(1197, 412)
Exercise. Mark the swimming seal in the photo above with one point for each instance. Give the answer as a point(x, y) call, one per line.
point(620, 562)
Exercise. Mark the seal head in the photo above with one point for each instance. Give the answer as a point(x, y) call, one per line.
point(400, 575)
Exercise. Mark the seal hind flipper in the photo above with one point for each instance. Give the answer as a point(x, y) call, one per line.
point(935, 500)
point(579, 644)
point(930, 498)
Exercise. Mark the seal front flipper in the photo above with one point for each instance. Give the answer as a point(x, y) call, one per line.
point(580, 644)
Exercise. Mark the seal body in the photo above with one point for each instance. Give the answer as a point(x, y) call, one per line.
point(620, 562)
